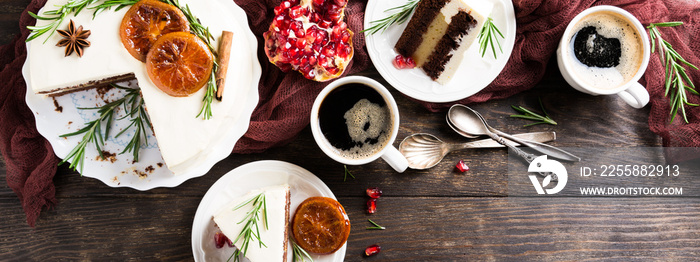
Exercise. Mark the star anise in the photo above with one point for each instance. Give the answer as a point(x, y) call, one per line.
point(75, 40)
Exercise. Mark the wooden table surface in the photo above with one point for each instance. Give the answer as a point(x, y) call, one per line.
point(434, 214)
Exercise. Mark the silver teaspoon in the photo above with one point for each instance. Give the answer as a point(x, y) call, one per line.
point(424, 151)
point(471, 122)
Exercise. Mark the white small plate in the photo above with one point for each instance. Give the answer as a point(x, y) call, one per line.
point(150, 171)
point(241, 180)
point(473, 75)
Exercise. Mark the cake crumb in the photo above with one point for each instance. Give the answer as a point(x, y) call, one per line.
point(160, 164)
point(59, 108)
point(142, 175)
point(150, 169)
point(111, 157)
point(116, 180)
point(102, 91)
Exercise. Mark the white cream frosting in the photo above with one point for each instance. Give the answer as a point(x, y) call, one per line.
point(184, 140)
point(228, 220)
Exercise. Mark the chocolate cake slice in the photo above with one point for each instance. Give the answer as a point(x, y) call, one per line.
point(439, 33)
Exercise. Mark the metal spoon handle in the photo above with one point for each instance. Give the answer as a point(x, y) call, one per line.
point(490, 143)
point(539, 147)
point(524, 155)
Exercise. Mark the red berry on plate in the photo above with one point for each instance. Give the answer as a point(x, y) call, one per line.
point(461, 166)
point(401, 62)
point(372, 205)
point(372, 250)
point(220, 239)
point(374, 192)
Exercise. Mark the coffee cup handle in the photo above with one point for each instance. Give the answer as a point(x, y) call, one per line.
point(636, 95)
point(395, 159)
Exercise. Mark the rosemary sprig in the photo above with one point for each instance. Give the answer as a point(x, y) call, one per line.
point(347, 172)
point(299, 254)
point(251, 230)
point(528, 114)
point(487, 36)
point(676, 81)
point(139, 119)
point(203, 33)
point(399, 17)
point(106, 5)
point(92, 132)
point(57, 15)
point(375, 227)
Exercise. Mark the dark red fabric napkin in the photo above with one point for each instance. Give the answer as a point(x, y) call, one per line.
point(286, 99)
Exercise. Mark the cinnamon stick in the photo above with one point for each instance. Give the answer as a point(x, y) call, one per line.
point(224, 56)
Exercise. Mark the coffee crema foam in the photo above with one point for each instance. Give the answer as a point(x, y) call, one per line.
point(368, 127)
point(609, 25)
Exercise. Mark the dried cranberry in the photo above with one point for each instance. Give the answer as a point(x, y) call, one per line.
point(374, 192)
point(372, 205)
point(372, 250)
point(220, 239)
point(461, 166)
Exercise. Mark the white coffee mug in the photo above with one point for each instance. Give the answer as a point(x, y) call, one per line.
point(631, 91)
point(388, 152)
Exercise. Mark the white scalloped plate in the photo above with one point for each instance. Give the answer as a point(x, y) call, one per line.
point(241, 180)
point(149, 172)
point(473, 75)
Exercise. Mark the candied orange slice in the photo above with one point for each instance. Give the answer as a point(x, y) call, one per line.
point(320, 225)
point(179, 63)
point(145, 22)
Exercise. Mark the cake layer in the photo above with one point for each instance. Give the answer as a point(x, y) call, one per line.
point(439, 33)
point(184, 139)
point(228, 219)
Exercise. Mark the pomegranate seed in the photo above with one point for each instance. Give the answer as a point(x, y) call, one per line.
point(220, 239)
point(295, 12)
point(333, 70)
point(344, 37)
point(372, 250)
point(410, 63)
point(342, 26)
point(314, 18)
point(278, 10)
point(301, 43)
point(401, 62)
point(372, 205)
point(325, 24)
point(328, 51)
point(374, 192)
point(284, 66)
point(310, 75)
point(341, 2)
point(318, 2)
point(286, 4)
point(461, 166)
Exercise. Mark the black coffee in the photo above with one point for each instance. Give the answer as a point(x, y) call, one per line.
point(356, 120)
point(606, 50)
point(594, 49)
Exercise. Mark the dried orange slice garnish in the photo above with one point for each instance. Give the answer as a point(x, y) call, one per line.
point(179, 63)
point(145, 22)
point(320, 225)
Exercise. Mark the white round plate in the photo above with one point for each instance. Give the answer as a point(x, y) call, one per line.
point(473, 75)
point(241, 180)
point(150, 171)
